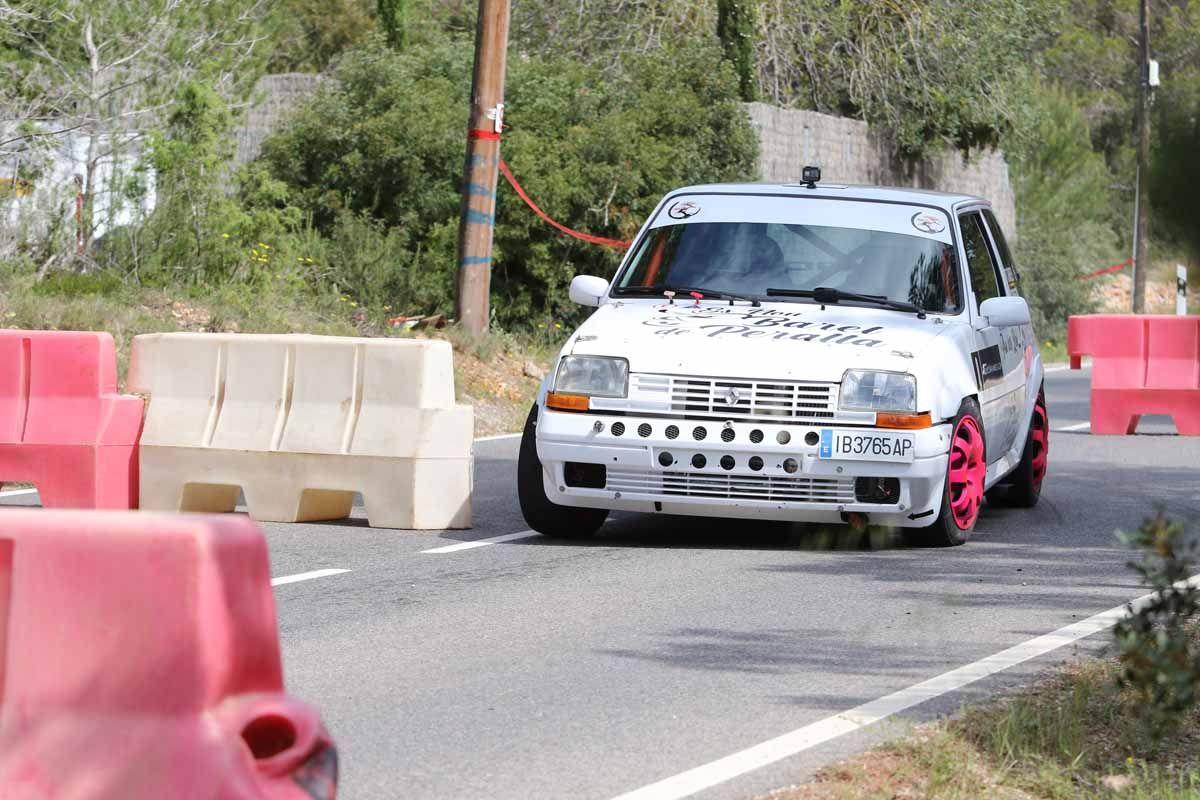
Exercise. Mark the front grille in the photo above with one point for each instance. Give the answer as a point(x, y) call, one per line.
point(734, 487)
point(731, 398)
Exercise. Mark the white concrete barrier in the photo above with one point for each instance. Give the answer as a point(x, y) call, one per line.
point(300, 423)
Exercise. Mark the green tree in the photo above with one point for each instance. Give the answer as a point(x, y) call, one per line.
point(109, 72)
point(737, 22)
point(1064, 216)
point(309, 34)
point(393, 16)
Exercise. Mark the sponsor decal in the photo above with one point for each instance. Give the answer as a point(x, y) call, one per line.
point(760, 323)
point(989, 369)
point(928, 223)
point(683, 209)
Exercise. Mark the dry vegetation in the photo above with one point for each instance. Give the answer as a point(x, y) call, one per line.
point(1071, 734)
point(498, 374)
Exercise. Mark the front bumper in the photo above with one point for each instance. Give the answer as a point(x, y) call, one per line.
point(819, 490)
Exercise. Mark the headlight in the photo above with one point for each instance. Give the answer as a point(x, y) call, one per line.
point(869, 390)
point(593, 376)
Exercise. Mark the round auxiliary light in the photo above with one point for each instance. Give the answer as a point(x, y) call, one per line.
point(790, 465)
point(666, 459)
point(756, 463)
point(699, 461)
point(783, 437)
point(727, 462)
point(811, 438)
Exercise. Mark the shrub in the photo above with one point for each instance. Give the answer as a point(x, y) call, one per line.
point(377, 157)
point(1160, 657)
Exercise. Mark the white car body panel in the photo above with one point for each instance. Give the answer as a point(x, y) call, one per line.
point(691, 343)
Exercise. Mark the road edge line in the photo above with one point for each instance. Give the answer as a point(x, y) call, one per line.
point(697, 779)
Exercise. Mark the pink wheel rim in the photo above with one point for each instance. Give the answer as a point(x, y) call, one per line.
point(1039, 437)
point(967, 471)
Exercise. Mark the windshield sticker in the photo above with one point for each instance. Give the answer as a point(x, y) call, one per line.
point(928, 223)
point(683, 209)
point(760, 323)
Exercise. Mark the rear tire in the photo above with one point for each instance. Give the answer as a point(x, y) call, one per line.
point(962, 494)
point(542, 515)
point(1023, 487)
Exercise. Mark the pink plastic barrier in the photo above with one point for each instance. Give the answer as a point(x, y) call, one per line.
point(63, 426)
point(139, 661)
point(1141, 364)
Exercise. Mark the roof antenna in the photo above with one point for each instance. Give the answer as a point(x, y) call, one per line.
point(809, 176)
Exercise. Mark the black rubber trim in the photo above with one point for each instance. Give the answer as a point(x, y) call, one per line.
point(922, 514)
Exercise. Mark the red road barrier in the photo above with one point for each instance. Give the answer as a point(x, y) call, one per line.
point(63, 426)
point(139, 659)
point(1141, 364)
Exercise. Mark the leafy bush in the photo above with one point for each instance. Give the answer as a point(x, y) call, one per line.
point(1159, 655)
point(377, 158)
point(1064, 221)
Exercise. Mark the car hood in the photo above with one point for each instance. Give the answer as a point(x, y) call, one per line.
point(798, 341)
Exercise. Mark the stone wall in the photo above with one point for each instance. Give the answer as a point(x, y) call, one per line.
point(274, 96)
point(847, 151)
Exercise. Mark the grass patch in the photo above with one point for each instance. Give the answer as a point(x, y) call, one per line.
point(1054, 353)
point(1073, 734)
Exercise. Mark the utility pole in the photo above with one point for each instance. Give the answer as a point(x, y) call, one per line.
point(1141, 238)
point(483, 160)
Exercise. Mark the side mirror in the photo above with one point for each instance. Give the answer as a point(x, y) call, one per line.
point(1005, 312)
point(588, 290)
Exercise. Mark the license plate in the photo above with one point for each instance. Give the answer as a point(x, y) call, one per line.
point(866, 446)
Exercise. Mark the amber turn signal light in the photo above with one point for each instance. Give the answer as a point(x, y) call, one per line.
point(904, 422)
point(567, 402)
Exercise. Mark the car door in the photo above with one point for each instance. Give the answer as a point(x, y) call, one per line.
point(999, 352)
point(1022, 339)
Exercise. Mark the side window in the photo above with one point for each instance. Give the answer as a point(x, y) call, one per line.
point(979, 257)
point(1009, 266)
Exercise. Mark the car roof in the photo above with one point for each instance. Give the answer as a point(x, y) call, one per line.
point(947, 200)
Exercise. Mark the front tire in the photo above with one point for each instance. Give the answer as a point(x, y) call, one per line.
point(962, 495)
point(542, 515)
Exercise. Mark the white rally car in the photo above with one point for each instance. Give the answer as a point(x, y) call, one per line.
point(799, 352)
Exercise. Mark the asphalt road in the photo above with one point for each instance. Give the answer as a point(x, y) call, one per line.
point(538, 668)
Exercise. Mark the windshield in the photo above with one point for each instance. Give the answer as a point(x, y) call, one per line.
point(747, 258)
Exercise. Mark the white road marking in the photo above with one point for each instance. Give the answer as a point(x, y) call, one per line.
point(707, 775)
point(497, 438)
point(1087, 364)
point(508, 537)
point(17, 492)
point(1078, 426)
point(306, 576)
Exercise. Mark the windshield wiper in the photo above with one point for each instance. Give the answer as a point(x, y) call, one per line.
point(824, 294)
point(667, 287)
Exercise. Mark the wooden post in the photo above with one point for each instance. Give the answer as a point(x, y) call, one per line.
point(482, 163)
point(1141, 236)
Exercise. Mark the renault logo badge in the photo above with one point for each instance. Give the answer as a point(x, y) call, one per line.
point(732, 396)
